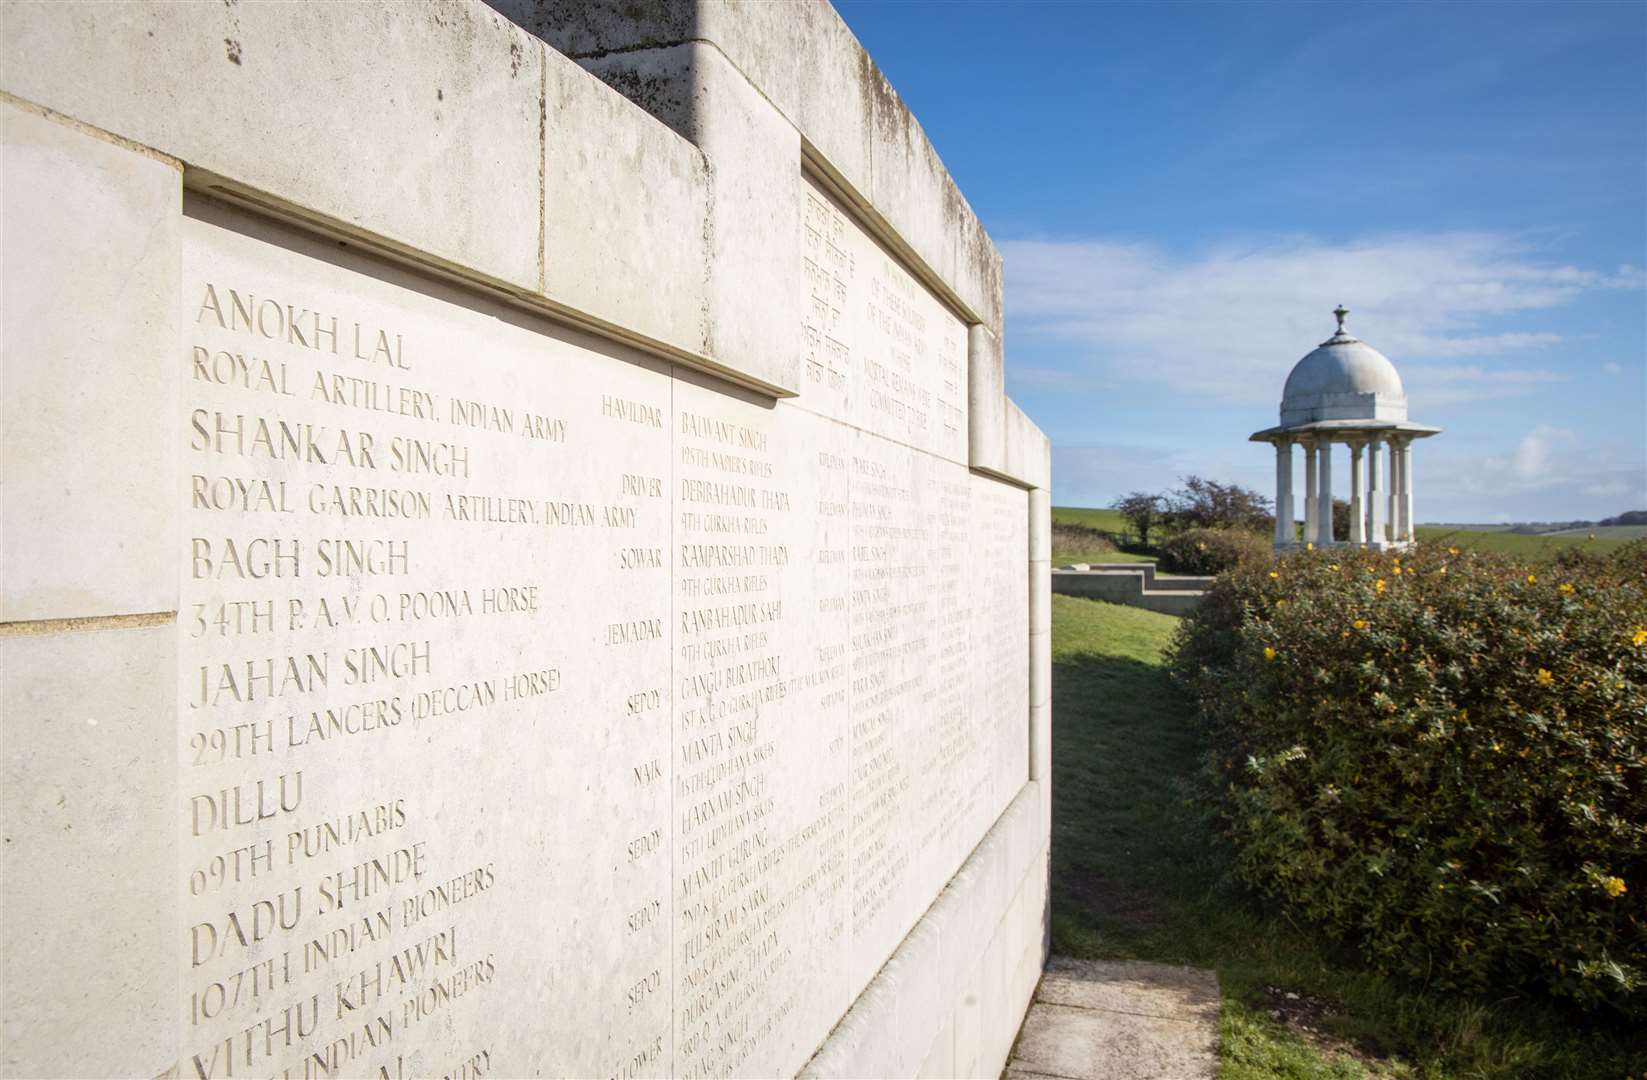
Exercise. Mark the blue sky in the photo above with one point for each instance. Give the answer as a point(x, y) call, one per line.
point(1182, 193)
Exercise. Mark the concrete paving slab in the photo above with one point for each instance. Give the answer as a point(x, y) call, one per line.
point(1119, 1021)
point(1172, 993)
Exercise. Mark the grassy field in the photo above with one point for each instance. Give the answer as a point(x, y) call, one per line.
point(1606, 532)
point(1539, 548)
point(1522, 545)
point(1136, 875)
point(1602, 532)
point(1103, 520)
point(1083, 535)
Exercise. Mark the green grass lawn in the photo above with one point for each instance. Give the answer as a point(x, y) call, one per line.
point(1521, 545)
point(1137, 875)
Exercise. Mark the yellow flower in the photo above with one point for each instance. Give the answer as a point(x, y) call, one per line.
point(1566, 589)
point(1544, 677)
point(1334, 566)
point(1463, 714)
point(1532, 579)
point(1452, 551)
point(1397, 570)
point(1309, 547)
point(1200, 547)
point(1614, 887)
point(1280, 603)
point(1379, 584)
point(1443, 570)
point(1360, 624)
point(1269, 653)
point(1639, 637)
point(1497, 749)
point(1273, 574)
point(1398, 562)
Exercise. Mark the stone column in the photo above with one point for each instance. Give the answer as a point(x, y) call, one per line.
point(1309, 488)
point(1323, 501)
point(1407, 534)
point(1040, 646)
point(1394, 483)
point(1358, 523)
point(1283, 493)
point(1375, 496)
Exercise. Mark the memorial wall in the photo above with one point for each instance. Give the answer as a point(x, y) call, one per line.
point(623, 656)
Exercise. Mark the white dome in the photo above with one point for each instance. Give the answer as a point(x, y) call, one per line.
point(1343, 379)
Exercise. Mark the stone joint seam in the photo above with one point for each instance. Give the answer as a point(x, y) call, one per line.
point(224, 189)
point(85, 623)
point(1118, 1012)
point(91, 130)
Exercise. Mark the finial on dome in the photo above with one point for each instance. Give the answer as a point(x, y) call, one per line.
point(1341, 311)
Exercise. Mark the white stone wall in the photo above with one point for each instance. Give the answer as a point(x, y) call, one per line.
point(496, 580)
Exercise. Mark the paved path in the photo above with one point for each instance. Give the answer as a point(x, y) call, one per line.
point(1119, 1020)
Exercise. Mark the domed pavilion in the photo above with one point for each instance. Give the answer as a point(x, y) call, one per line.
point(1346, 393)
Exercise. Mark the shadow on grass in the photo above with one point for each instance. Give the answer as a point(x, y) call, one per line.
point(1126, 847)
point(1138, 874)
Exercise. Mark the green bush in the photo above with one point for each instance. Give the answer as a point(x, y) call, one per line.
point(1212, 551)
point(1441, 756)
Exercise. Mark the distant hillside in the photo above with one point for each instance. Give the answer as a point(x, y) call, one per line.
point(1630, 525)
point(1611, 532)
point(1539, 546)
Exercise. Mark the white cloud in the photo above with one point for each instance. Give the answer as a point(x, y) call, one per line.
point(1549, 474)
point(1610, 368)
point(1445, 384)
point(1532, 457)
point(1222, 323)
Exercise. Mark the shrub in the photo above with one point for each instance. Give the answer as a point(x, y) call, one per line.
point(1207, 504)
point(1212, 551)
point(1441, 756)
point(1077, 543)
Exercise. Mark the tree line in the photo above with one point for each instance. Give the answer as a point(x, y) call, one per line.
point(1197, 503)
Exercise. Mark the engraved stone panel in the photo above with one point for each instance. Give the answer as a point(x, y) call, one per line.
point(400, 683)
point(548, 709)
point(881, 351)
point(760, 675)
point(424, 677)
point(1000, 691)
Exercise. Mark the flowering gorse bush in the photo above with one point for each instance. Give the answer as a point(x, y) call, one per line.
point(1212, 551)
point(1441, 756)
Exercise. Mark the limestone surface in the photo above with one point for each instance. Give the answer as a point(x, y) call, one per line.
point(1119, 1020)
point(499, 578)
